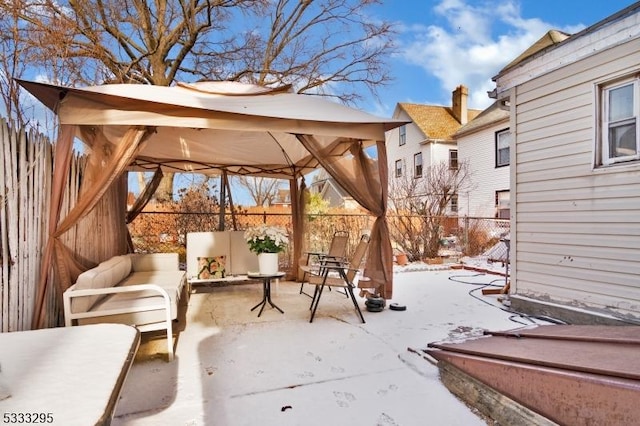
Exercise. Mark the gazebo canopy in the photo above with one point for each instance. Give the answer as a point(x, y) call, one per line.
point(211, 126)
point(214, 127)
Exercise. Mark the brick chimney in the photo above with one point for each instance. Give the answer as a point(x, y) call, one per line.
point(459, 104)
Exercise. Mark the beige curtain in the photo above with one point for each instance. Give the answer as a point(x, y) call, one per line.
point(365, 180)
point(298, 203)
point(145, 196)
point(102, 171)
point(141, 202)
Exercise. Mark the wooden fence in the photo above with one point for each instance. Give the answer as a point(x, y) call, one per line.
point(26, 161)
point(25, 179)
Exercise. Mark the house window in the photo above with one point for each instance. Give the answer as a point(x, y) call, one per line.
point(454, 203)
point(417, 165)
point(398, 168)
point(503, 205)
point(453, 159)
point(403, 135)
point(619, 117)
point(503, 138)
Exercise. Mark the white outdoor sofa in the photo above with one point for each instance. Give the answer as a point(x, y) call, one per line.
point(142, 290)
point(230, 251)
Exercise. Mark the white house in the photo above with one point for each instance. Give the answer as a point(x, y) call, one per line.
point(484, 144)
point(429, 138)
point(575, 174)
point(333, 193)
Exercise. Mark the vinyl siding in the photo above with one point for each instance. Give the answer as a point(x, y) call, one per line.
point(478, 149)
point(577, 229)
point(439, 152)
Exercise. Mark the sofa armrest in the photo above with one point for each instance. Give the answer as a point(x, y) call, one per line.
point(71, 293)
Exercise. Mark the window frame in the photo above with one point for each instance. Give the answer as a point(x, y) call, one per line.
point(402, 135)
point(398, 169)
point(497, 148)
point(498, 207)
point(417, 173)
point(603, 146)
point(453, 166)
point(454, 203)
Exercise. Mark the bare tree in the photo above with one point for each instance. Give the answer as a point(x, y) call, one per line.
point(328, 47)
point(420, 206)
point(305, 43)
point(197, 205)
point(14, 59)
point(262, 190)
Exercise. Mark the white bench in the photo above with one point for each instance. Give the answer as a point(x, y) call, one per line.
point(142, 290)
point(65, 375)
point(230, 247)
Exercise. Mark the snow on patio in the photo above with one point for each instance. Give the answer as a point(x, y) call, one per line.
point(233, 368)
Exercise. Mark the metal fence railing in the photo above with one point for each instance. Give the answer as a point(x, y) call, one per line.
point(459, 236)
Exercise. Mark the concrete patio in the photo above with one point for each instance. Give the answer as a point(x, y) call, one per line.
point(233, 368)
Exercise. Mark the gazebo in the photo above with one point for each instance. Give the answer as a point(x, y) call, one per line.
point(214, 128)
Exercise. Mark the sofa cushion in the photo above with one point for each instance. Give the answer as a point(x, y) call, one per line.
point(211, 267)
point(144, 262)
point(107, 274)
point(118, 266)
point(172, 281)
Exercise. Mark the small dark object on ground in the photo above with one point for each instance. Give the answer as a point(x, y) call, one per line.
point(397, 307)
point(376, 302)
point(286, 407)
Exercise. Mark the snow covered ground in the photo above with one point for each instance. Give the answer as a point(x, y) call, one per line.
point(233, 368)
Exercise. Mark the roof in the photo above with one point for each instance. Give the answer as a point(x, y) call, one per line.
point(324, 179)
point(435, 122)
point(492, 115)
point(551, 38)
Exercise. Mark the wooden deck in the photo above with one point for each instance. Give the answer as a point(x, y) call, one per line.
point(548, 374)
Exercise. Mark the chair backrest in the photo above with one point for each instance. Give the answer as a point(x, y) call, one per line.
point(357, 258)
point(339, 243)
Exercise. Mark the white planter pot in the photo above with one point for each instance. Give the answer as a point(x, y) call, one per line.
point(268, 263)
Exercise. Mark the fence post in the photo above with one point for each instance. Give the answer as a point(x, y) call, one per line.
point(466, 234)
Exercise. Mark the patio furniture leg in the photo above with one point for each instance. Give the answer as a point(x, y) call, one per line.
point(316, 301)
point(315, 295)
point(355, 303)
point(266, 292)
point(170, 343)
point(302, 285)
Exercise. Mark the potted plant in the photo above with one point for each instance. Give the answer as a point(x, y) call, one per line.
point(402, 259)
point(267, 241)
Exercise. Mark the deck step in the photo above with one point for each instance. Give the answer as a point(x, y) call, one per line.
point(568, 374)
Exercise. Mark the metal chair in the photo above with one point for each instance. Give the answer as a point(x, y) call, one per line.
point(336, 253)
point(339, 274)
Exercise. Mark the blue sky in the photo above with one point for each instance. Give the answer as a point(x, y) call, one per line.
point(446, 43)
point(442, 44)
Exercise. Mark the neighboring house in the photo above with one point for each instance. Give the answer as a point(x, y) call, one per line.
point(282, 199)
point(429, 138)
point(575, 181)
point(484, 144)
point(333, 193)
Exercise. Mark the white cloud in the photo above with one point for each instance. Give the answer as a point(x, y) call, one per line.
point(471, 44)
